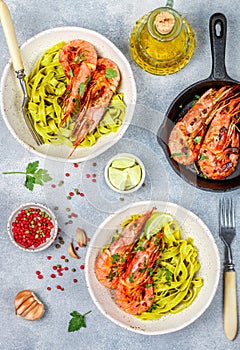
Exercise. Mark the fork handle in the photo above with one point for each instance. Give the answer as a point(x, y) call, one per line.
point(230, 305)
point(10, 37)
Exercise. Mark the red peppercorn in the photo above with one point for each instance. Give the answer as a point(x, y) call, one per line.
point(54, 267)
point(75, 280)
point(88, 176)
point(38, 273)
point(81, 194)
point(71, 194)
point(53, 186)
point(49, 257)
point(40, 277)
point(82, 267)
point(75, 165)
point(49, 288)
point(67, 174)
point(63, 257)
point(59, 287)
point(66, 268)
point(93, 180)
point(53, 275)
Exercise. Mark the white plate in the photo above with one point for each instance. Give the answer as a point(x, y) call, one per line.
point(11, 95)
point(208, 256)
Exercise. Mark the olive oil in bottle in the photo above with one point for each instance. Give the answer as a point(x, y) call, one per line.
point(162, 41)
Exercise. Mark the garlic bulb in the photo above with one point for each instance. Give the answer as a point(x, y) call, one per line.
point(28, 306)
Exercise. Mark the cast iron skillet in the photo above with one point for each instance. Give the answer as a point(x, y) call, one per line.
point(183, 102)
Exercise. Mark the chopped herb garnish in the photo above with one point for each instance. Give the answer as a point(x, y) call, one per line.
point(70, 72)
point(178, 154)
point(197, 139)
point(139, 248)
point(180, 106)
point(130, 277)
point(115, 257)
point(111, 73)
point(88, 79)
point(81, 88)
point(148, 285)
point(202, 156)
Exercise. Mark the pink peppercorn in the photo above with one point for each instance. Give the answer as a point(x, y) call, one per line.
point(67, 174)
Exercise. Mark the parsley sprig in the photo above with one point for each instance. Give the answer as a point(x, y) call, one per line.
point(34, 175)
point(77, 321)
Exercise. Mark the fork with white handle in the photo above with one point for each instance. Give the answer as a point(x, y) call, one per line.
point(227, 232)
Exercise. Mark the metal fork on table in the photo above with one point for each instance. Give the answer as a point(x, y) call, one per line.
point(227, 232)
point(15, 54)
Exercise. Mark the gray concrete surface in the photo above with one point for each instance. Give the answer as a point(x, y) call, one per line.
point(17, 269)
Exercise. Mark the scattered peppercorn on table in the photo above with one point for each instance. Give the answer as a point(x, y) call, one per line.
point(56, 308)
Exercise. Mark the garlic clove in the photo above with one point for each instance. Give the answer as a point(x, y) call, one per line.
point(24, 306)
point(35, 313)
point(81, 237)
point(72, 252)
point(28, 306)
point(21, 297)
point(25, 312)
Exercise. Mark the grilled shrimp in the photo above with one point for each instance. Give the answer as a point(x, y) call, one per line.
point(135, 293)
point(98, 97)
point(219, 153)
point(78, 59)
point(186, 136)
point(112, 262)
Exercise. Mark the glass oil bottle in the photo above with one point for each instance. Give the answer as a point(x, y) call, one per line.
point(162, 41)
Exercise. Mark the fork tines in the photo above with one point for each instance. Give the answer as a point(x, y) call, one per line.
point(227, 215)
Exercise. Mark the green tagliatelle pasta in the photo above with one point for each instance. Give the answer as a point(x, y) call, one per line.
point(175, 282)
point(45, 86)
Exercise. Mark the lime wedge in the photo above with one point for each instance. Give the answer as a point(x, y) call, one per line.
point(123, 162)
point(117, 178)
point(134, 175)
point(156, 222)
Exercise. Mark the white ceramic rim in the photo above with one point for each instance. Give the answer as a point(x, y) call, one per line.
point(54, 231)
point(130, 155)
point(103, 143)
point(93, 251)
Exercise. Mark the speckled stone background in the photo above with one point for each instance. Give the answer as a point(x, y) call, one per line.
point(115, 20)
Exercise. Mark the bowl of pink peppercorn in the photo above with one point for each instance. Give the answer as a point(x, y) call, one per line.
point(32, 227)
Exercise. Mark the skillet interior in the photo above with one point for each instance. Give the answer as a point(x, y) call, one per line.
point(178, 109)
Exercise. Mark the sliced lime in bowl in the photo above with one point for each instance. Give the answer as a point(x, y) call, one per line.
point(125, 173)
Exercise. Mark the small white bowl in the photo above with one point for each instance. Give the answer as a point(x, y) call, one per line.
point(53, 233)
point(137, 160)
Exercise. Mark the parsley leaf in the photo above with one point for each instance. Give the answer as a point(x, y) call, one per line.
point(32, 167)
point(34, 176)
point(77, 321)
point(29, 182)
point(111, 73)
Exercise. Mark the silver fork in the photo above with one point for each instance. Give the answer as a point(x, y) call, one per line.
point(227, 232)
point(15, 54)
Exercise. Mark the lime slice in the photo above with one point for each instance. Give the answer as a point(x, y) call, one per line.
point(156, 222)
point(134, 175)
point(117, 178)
point(123, 162)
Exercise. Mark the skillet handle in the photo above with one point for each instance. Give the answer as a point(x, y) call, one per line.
point(218, 35)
